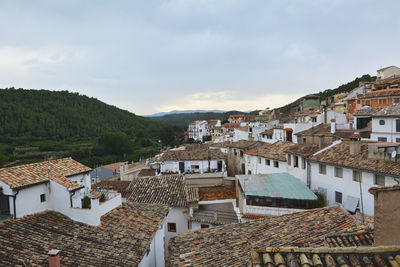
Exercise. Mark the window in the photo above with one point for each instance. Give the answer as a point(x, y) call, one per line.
point(235, 152)
point(397, 140)
point(267, 162)
point(397, 125)
point(382, 139)
point(381, 122)
point(248, 172)
point(296, 162)
point(338, 197)
point(42, 197)
point(357, 176)
point(303, 163)
point(338, 172)
point(379, 179)
point(276, 164)
point(259, 160)
point(289, 160)
point(204, 226)
point(241, 153)
point(304, 141)
point(322, 168)
point(172, 227)
point(358, 101)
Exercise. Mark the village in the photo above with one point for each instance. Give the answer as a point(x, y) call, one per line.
point(319, 186)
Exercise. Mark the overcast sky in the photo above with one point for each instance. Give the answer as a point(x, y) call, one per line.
point(152, 56)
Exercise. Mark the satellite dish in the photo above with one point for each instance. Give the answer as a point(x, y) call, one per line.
point(394, 153)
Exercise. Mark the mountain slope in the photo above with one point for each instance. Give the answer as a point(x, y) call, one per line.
point(61, 114)
point(160, 114)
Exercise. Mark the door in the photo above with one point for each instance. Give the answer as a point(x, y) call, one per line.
point(219, 165)
point(182, 167)
point(4, 205)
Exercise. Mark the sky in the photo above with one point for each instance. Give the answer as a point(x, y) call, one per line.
point(157, 56)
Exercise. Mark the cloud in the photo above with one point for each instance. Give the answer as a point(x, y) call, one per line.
point(228, 100)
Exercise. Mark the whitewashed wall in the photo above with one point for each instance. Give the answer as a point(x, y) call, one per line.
point(388, 130)
point(345, 185)
point(240, 135)
point(175, 215)
point(155, 256)
point(28, 200)
point(252, 164)
point(173, 166)
point(298, 172)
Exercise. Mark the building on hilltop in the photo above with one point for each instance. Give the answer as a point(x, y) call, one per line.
point(386, 124)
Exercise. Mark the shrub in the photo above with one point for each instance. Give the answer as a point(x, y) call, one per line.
point(86, 202)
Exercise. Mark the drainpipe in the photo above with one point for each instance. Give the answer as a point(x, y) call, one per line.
point(15, 204)
point(308, 174)
point(70, 197)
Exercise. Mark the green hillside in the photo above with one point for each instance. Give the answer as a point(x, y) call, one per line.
point(36, 123)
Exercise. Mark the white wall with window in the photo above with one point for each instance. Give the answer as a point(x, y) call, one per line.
point(386, 129)
point(261, 165)
point(297, 166)
point(175, 223)
point(343, 180)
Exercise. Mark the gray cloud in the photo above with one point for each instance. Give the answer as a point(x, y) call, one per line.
point(147, 55)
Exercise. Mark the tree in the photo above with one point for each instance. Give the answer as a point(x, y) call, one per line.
point(3, 155)
point(115, 143)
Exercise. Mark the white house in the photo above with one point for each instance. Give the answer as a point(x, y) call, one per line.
point(345, 170)
point(168, 190)
point(386, 124)
point(197, 130)
point(270, 158)
point(387, 72)
point(58, 185)
point(193, 160)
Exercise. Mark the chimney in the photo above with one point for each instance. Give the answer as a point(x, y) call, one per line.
point(355, 144)
point(54, 258)
point(333, 127)
point(321, 141)
point(386, 215)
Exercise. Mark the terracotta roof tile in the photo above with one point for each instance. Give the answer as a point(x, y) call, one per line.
point(167, 189)
point(274, 151)
point(302, 149)
point(199, 154)
point(381, 93)
point(356, 239)
point(390, 111)
point(119, 186)
point(24, 175)
point(229, 245)
point(216, 193)
point(122, 239)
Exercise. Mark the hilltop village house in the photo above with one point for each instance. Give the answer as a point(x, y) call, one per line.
point(58, 185)
point(386, 124)
point(272, 194)
point(193, 160)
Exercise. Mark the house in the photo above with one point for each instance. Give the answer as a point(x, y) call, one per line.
point(241, 133)
point(238, 118)
point(380, 98)
point(272, 194)
point(121, 187)
point(129, 171)
point(308, 101)
point(387, 72)
point(236, 163)
point(363, 117)
point(345, 170)
point(386, 124)
point(270, 158)
point(298, 161)
point(109, 171)
point(58, 185)
point(380, 247)
point(169, 190)
point(193, 160)
point(391, 82)
point(197, 130)
point(230, 244)
point(129, 235)
point(352, 100)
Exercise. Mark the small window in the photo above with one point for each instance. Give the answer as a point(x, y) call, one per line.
point(241, 153)
point(42, 197)
point(357, 176)
point(289, 160)
point(381, 122)
point(379, 179)
point(358, 101)
point(338, 197)
point(382, 139)
point(304, 140)
point(267, 162)
point(338, 172)
point(259, 160)
point(303, 163)
point(204, 226)
point(172, 227)
point(276, 164)
point(398, 126)
point(296, 162)
point(397, 140)
point(235, 152)
point(322, 168)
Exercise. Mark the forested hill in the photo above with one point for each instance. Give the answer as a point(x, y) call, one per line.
point(47, 114)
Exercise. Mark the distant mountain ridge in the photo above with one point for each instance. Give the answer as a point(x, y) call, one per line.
point(160, 114)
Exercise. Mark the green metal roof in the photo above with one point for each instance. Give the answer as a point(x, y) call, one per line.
point(275, 185)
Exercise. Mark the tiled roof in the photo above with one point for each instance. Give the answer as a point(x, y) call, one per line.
point(122, 239)
point(366, 111)
point(221, 144)
point(325, 129)
point(216, 193)
point(385, 68)
point(381, 93)
point(391, 79)
point(339, 154)
point(303, 150)
point(342, 257)
point(192, 194)
point(24, 175)
point(243, 144)
point(390, 111)
point(119, 186)
point(200, 154)
point(252, 216)
point(375, 189)
point(167, 189)
point(272, 151)
point(357, 239)
point(112, 166)
point(147, 172)
point(230, 245)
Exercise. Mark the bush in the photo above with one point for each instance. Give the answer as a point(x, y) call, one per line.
point(320, 202)
point(86, 202)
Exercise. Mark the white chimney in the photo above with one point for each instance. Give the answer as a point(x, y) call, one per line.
point(333, 127)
